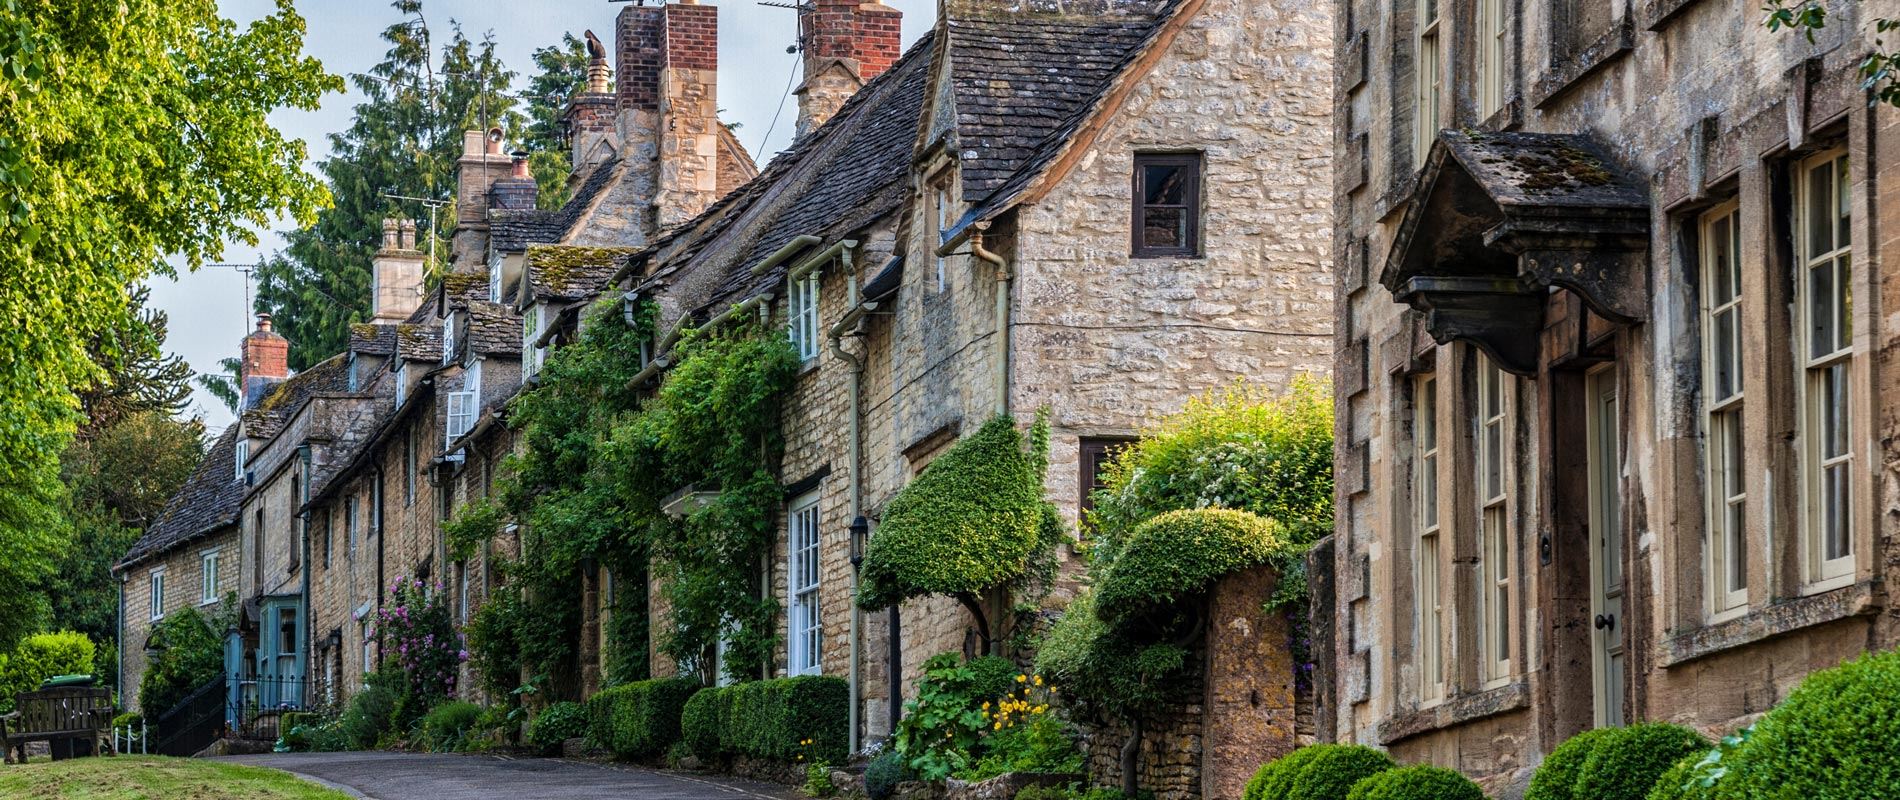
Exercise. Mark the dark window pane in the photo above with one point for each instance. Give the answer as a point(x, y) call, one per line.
point(1821, 310)
point(1164, 228)
point(1820, 211)
point(1164, 184)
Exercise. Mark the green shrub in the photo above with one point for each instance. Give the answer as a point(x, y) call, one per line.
point(890, 768)
point(1180, 554)
point(42, 656)
point(1626, 762)
point(129, 719)
point(1421, 782)
point(1833, 737)
point(971, 521)
point(556, 724)
point(818, 780)
point(703, 722)
point(1680, 781)
point(192, 656)
point(1038, 791)
point(1331, 770)
point(370, 711)
point(1556, 778)
point(446, 727)
point(789, 719)
point(639, 720)
point(313, 734)
point(1274, 779)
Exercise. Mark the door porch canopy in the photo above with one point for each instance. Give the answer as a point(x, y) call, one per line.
point(1501, 220)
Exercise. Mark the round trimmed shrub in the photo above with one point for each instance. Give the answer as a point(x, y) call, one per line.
point(1275, 778)
point(1332, 770)
point(1626, 762)
point(703, 721)
point(1557, 776)
point(1418, 782)
point(1834, 737)
point(1180, 554)
point(970, 521)
point(1680, 782)
point(556, 724)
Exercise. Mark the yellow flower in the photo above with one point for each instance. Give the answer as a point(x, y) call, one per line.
point(1021, 678)
point(986, 705)
point(1038, 680)
point(1040, 709)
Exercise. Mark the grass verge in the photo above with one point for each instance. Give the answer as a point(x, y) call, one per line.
point(154, 778)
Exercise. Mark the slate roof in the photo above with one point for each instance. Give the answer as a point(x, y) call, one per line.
point(373, 338)
point(419, 342)
point(207, 501)
point(513, 230)
point(494, 329)
point(1025, 80)
point(459, 289)
point(268, 417)
point(1524, 171)
point(566, 272)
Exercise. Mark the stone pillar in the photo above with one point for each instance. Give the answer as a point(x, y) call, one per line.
point(1249, 706)
point(688, 179)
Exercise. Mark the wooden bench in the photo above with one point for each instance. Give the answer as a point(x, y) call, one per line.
point(63, 717)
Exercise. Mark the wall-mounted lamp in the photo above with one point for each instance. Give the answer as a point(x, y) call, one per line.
point(860, 536)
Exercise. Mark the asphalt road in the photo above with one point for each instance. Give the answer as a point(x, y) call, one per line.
point(426, 776)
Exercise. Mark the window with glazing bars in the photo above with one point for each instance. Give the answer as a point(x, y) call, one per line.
point(1494, 521)
point(1428, 599)
point(1428, 83)
point(803, 313)
point(1824, 349)
point(802, 577)
point(1722, 402)
point(1167, 212)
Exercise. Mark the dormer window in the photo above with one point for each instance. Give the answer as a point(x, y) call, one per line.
point(448, 338)
point(804, 315)
point(494, 279)
point(354, 382)
point(530, 355)
point(243, 454)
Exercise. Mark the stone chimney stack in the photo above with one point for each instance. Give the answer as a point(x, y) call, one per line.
point(396, 273)
point(266, 362)
point(668, 106)
point(589, 118)
point(846, 44)
point(516, 191)
point(482, 163)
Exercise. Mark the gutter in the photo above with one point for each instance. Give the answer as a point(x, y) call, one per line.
point(791, 248)
point(853, 317)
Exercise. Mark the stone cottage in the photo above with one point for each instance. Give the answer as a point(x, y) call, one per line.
point(1610, 422)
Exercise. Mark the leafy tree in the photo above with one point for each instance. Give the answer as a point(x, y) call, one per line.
point(190, 654)
point(135, 130)
point(1879, 70)
point(404, 140)
point(563, 74)
point(139, 376)
point(224, 383)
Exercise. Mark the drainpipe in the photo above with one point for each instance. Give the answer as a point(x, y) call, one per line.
point(303, 606)
point(853, 315)
point(118, 670)
point(1003, 277)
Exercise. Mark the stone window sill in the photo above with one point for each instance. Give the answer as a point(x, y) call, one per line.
point(1616, 42)
point(1777, 619)
point(1455, 710)
point(1656, 14)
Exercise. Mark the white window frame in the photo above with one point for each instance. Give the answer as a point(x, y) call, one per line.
point(156, 580)
point(1825, 435)
point(530, 330)
point(243, 454)
point(803, 577)
point(461, 414)
point(349, 525)
point(1493, 481)
point(1428, 84)
point(494, 278)
point(448, 338)
point(1490, 57)
point(1726, 564)
point(1428, 583)
point(368, 651)
point(208, 562)
point(802, 314)
point(944, 207)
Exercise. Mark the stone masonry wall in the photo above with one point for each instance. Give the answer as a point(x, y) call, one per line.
point(184, 573)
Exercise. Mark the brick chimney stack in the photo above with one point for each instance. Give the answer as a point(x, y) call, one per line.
point(482, 163)
point(396, 273)
point(266, 362)
point(518, 190)
point(667, 103)
point(846, 44)
point(589, 118)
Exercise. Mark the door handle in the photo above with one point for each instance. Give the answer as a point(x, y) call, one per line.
point(1604, 622)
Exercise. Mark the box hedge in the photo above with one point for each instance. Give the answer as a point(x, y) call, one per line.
point(1421, 782)
point(1556, 778)
point(1834, 737)
point(1274, 779)
point(1626, 762)
point(42, 656)
point(556, 724)
point(785, 719)
point(1331, 770)
point(642, 719)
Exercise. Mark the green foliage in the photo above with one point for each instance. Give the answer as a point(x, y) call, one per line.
point(1274, 779)
point(446, 728)
point(941, 731)
point(885, 772)
point(1626, 762)
point(403, 139)
point(1556, 778)
point(416, 633)
point(1110, 671)
point(1331, 772)
point(562, 73)
point(192, 655)
point(102, 178)
point(371, 710)
point(801, 719)
point(1879, 70)
point(971, 522)
point(818, 780)
point(1178, 555)
point(1833, 737)
point(1420, 782)
point(42, 656)
point(639, 720)
point(556, 724)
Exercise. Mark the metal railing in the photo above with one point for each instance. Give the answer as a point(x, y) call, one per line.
point(191, 725)
point(262, 701)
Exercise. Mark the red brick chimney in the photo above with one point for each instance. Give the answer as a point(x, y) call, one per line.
point(846, 44)
point(516, 191)
point(266, 362)
point(667, 98)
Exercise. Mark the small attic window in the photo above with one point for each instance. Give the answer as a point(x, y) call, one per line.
point(448, 338)
point(243, 453)
point(1167, 205)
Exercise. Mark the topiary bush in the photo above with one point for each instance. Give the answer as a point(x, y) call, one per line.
point(642, 719)
point(556, 724)
point(1556, 778)
point(1681, 781)
point(703, 721)
point(446, 727)
point(1330, 772)
point(1274, 778)
point(970, 522)
point(1419, 782)
point(1626, 762)
point(1834, 737)
point(42, 656)
point(1179, 554)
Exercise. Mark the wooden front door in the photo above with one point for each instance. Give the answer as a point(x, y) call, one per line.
point(1605, 435)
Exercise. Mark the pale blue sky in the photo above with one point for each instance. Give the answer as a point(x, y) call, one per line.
point(207, 308)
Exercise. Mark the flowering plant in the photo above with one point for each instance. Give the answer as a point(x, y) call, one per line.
point(980, 718)
point(417, 636)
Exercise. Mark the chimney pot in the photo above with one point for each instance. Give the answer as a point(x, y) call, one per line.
point(263, 321)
